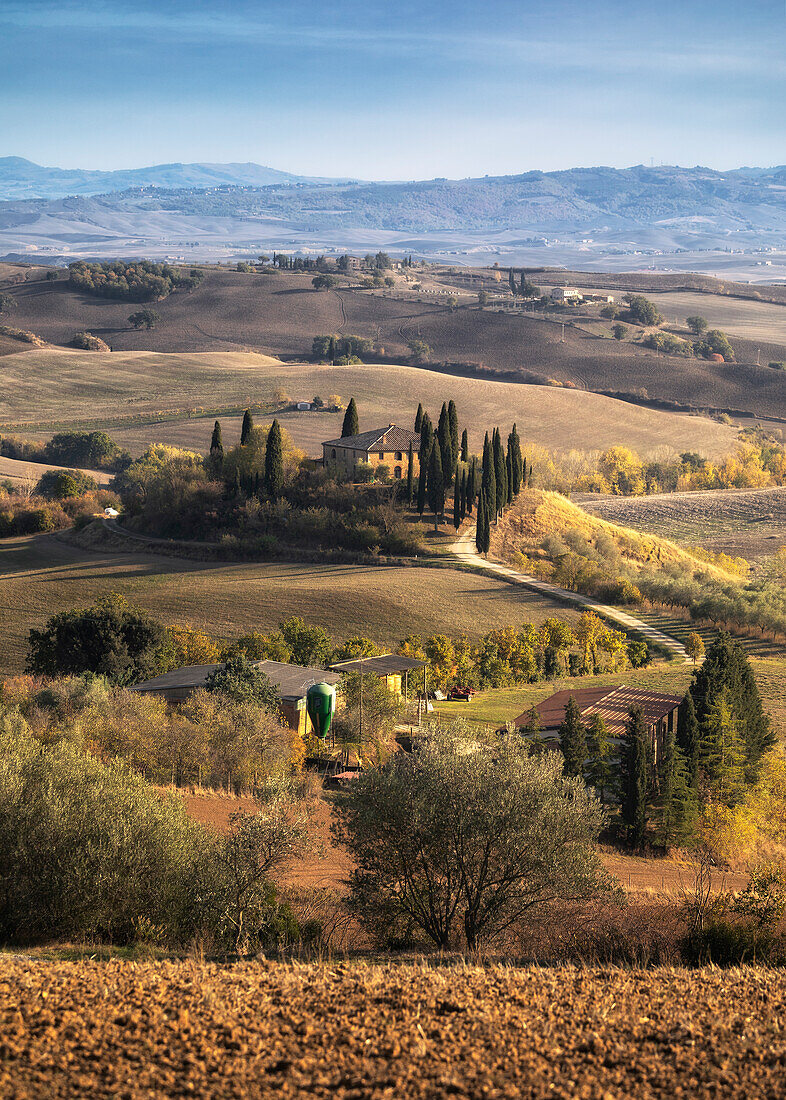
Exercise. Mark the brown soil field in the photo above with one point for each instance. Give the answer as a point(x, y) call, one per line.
point(326, 866)
point(279, 314)
point(41, 575)
point(58, 387)
point(270, 1029)
point(749, 523)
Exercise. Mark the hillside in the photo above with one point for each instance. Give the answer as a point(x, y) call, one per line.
point(280, 314)
point(124, 392)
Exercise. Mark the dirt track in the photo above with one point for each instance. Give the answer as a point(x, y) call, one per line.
point(349, 1030)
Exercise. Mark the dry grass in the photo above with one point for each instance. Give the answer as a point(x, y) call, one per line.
point(407, 1031)
point(537, 514)
point(68, 387)
point(21, 470)
point(42, 575)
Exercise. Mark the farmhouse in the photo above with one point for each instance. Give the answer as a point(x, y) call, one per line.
point(566, 294)
point(612, 704)
point(292, 682)
point(385, 446)
point(388, 667)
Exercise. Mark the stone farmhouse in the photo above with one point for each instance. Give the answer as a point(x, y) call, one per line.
point(383, 447)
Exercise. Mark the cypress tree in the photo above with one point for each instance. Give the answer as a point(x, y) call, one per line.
point(464, 446)
point(635, 778)
point(508, 477)
point(463, 493)
point(488, 480)
point(499, 473)
point(418, 417)
point(512, 282)
point(216, 444)
point(332, 357)
point(573, 739)
point(247, 428)
point(436, 485)
point(425, 458)
point(426, 434)
point(236, 483)
point(516, 462)
point(454, 435)
point(457, 503)
point(351, 425)
point(472, 485)
point(410, 474)
point(479, 525)
point(688, 738)
point(445, 446)
point(599, 754)
point(274, 461)
point(726, 665)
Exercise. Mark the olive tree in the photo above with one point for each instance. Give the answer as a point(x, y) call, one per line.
point(464, 838)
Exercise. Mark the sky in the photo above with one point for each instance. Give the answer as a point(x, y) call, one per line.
point(394, 89)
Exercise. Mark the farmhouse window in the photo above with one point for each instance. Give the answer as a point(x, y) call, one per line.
point(397, 473)
point(333, 453)
point(381, 456)
point(399, 456)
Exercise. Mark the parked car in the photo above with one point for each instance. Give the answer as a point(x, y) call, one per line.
point(461, 694)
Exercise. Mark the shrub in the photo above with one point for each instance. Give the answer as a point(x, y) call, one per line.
point(86, 341)
point(461, 839)
point(110, 638)
point(59, 484)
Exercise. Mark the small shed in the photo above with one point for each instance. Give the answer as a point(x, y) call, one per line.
point(389, 667)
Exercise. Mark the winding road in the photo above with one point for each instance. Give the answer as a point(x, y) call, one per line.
point(465, 551)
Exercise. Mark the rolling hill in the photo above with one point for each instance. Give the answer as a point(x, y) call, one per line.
point(279, 315)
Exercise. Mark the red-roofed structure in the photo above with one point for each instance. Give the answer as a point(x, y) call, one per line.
point(613, 704)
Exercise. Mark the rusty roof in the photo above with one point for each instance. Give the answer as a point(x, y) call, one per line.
point(391, 438)
point(611, 702)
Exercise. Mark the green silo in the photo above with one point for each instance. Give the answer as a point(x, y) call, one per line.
point(321, 705)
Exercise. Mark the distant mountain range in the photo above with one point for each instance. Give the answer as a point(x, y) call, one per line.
point(202, 209)
point(22, 179)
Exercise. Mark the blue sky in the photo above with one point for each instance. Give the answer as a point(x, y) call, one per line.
point(394, 89)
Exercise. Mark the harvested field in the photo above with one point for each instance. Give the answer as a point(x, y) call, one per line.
point(65, 387)
point(21, 470)
point(748, 523)
point(268, 1029)
point(279, 315)
point(41, 575)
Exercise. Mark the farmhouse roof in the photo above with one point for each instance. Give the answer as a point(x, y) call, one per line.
point(386, 665)
point(612, 703)
point(292, 681)
point(391, 438)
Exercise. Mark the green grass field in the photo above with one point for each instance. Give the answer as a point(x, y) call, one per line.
point(500, 705)
point(42, 575)
point(58, 386)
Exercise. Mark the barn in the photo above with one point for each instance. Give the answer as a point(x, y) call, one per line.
point(613, 705)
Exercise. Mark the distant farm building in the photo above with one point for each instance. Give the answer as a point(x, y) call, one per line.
point(384, 446)
point(565, 294)
point(613, 705)
point(291, 681)
point(393, 669)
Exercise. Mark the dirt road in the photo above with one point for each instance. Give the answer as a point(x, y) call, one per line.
point(464, 549)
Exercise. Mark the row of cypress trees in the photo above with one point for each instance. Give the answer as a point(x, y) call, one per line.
point(714, 754)
point(503, 475)
point(271, 481)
